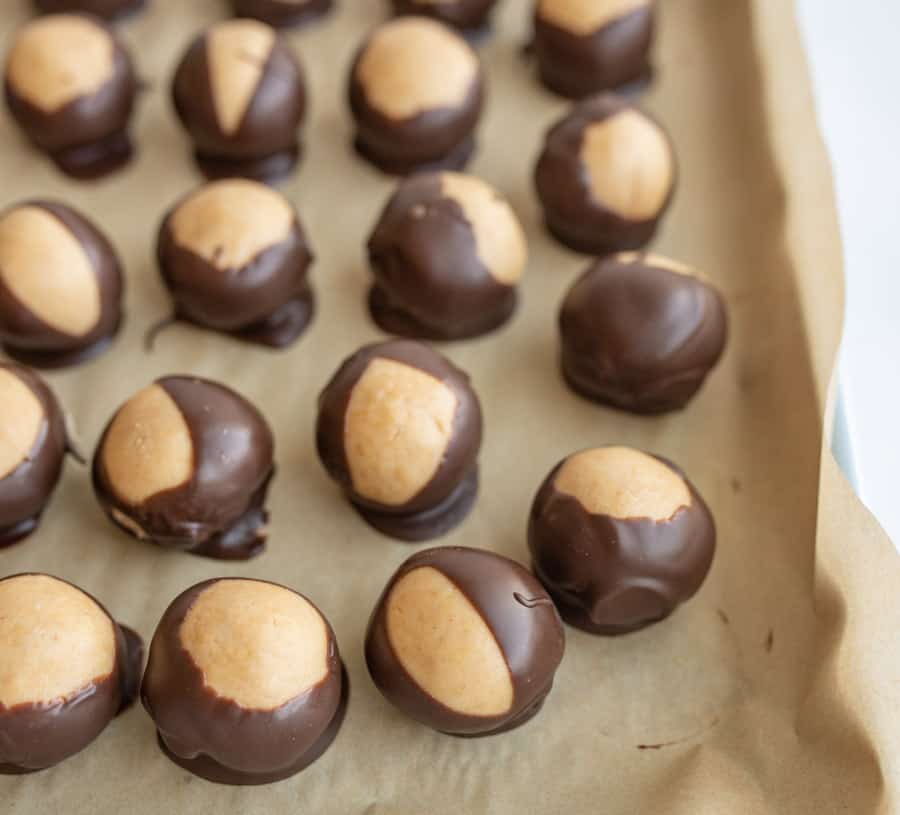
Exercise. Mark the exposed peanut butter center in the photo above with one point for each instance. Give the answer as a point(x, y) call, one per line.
point(396, 431)
point(629, 164)
point(657, 262)
point(412, 65)
point(229, 223)
point(47, 270)
point(59, 58)
point(237, 53)
point(499, 239)
point(584, 17)
point(54, 641)
point(21, 420)
point(148, 448)
point(257, 644)
point(623, 483)
point(444, 644)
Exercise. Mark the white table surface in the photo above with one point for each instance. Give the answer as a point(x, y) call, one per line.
point(854, 52)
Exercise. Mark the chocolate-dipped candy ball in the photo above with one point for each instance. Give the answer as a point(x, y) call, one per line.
point(66, 671)
point(605, 177)
point(282, 13)
point(416, 92)
point(235, 259)
point(588, 46)
point(446, 254)
point(399, 429)
point(70, 85)
point(464, 641)
point(108, 9)
point(641, 332)
point(60, 286)
point(472, 17)
point(33, 445)
point(619, 538)
point(186, 463)
point(240, 94)
point(244, 682)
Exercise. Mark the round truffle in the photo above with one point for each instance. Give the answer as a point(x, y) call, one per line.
point(282, 13)
point(70, 85)
point(471, 17)
point(235, 258)
point(605, 177)
point(399, 429)
point(240, 94)
point(619, 538)
point(641, 332)
point(446, 254)
point(60, 286)
point(33, 445)
point(464, 641)
point(416, 92)
point(66, 670)
point(244, 682)
point(588, 46)
point(107, 9)
point(186, 463)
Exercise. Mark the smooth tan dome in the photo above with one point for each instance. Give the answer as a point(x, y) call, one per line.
point(21, 421)
point(584, 17)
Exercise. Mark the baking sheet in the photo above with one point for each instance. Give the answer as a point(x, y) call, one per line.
point(775, 690)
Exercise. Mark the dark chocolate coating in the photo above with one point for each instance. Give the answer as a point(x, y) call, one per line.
point(616, 575)
point(266, 145)
point(429, 281)
point(28, 339)
point(571, 212)
point(218, 739)
point(87, 138)
point(515, 608)
point(25, 492)
point(35, 736)
point(220, 511)
point(613, 57)
point(268, 301)
point(437, 139)
point(471, 17)
point(107, 9)
point(279, 14)
point(640, 337)
point(447, 498)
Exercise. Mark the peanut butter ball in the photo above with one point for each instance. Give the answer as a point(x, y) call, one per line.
point(235, 258)
point(606, 176)
point(447, 254)
point(70, 85)
point(66, 671)
point(588, 46)
point(399, 429)
point(282, 13)
point(60, 286)
point(416, 93)
point(471, 17)
point(619, 538)
point(244, 682)
point(465, 641)
point(241, 96)
point(186, 464)
point(107, 9)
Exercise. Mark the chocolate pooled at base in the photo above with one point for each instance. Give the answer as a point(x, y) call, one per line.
point(107, 9)
point(283, 13)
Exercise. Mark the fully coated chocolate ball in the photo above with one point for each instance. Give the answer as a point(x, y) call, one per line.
point(240, 94)
point(60, 286)
point(605, 177)
point(70, 85)
point(33, 446)
point(399, 429)
point(471, 17)
point(416, 92)
point(446, 254)
point(282, 13)
point(464, 641)
point(641, 332)
point(66, 670)
point(235, 258)
point(619, 538)
point(588, 46)
point(107, 9)
point(186, 463)
point(244, 682)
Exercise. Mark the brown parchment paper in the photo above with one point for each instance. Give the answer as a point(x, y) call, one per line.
point(776, 690)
